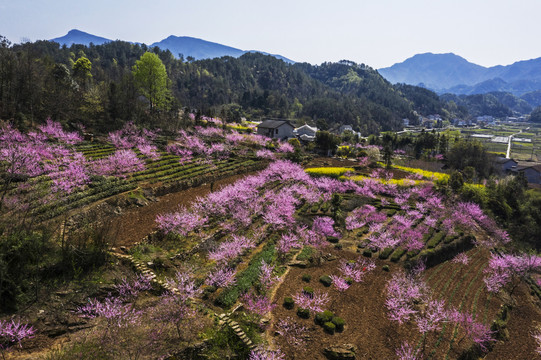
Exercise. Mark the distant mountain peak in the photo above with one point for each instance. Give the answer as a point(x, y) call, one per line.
point(75, 36)
point(454, 74)
point(77, 31)
point(185, 45)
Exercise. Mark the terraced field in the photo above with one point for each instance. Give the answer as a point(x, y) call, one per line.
point(166, 171)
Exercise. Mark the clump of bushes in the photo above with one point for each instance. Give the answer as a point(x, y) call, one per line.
point(385, 253)
point(303, 313)
point(329, 322)
point(325, 280)
point(289, 303)
point(323, 317)
point(306, 277)
point(329, 327)
point(339, 323)
point(308, 290)
point(397, 254)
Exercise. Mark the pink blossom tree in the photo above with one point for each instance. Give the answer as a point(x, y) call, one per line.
point(266, 354)
point(181, 222)
point(314, 302)
point(339, 283)
point(222, 277)
point(292, 332)
point(403, 291)
point(128, 290)
point(257, 304)
point(508, 269)
point(118, 164)
point(479, 333)
point(12, 333)
point(266, 277)
point(324, 225)
point(408, 352)
point(229, 250)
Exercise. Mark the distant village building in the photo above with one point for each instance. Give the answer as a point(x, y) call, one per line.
point(485, 119)
point(500, 139)
point(348, 128)
point(276, 129)
point(482, 136)
point(306, 133)
point(406, 122)
point(505, 165)
point(345, 128)
point(525, 140)
point(531, 173)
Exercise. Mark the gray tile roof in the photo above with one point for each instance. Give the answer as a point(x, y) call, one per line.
point(501, 160)
point(273, 124)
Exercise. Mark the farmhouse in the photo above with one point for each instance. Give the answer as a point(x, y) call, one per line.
point(277, 129)
point(531, 173)
point(504, 164)
point(306, 133)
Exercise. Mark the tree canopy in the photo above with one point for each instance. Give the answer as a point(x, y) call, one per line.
point(465, 153)
point(536, 115)
point(151, 80)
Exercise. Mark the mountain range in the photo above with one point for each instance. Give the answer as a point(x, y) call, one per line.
point(450, 73)
point(178, 45)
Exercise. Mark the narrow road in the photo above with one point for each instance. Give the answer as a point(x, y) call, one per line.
point(507, 155)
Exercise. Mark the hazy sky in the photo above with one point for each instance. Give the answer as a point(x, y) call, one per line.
point(375, 32)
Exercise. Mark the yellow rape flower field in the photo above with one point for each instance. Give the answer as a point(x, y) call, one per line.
point(335, 172)
point(425, 174)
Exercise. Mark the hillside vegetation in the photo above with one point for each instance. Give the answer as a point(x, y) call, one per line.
point(94, 85)
point(287, 262)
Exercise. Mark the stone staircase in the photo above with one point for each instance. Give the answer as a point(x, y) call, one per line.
point(226, 320)
point(223, 319)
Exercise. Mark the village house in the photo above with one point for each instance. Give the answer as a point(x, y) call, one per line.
point(276, 129)
point(306, 133)
point(531, 173)
point(505, 165)
point(344, 128)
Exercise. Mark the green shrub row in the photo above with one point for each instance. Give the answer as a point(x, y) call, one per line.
point(436, 239)
point(397, 254)
point(248, 278)
point(385, 253)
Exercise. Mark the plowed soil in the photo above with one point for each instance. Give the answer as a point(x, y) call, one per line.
point(362, 307)
point(136, 223)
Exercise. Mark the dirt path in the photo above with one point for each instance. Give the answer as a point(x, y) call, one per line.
point(136, 223)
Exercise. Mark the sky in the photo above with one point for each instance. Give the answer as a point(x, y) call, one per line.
point(378, 33)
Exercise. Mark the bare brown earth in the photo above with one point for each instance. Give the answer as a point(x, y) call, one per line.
point(361, 306)
point(367, 327)
point(136, 223)
point(525, 317)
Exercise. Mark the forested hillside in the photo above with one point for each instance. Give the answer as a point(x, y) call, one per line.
point(40, 80)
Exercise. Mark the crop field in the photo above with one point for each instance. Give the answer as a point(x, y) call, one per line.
point(524, 151)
